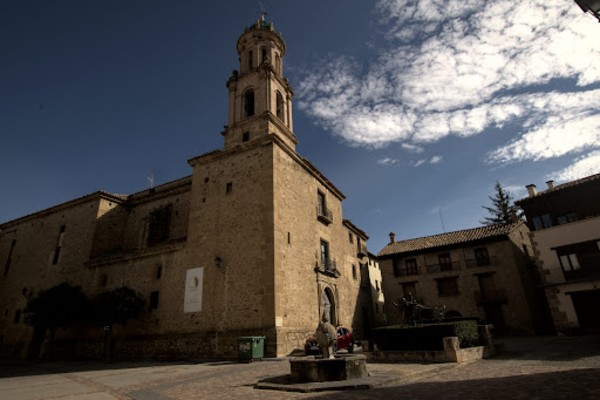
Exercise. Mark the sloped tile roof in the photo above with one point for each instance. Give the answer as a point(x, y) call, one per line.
point(448, 239)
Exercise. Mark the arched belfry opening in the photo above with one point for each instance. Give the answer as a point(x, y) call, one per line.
point(249, 103)
point(280, 106)
point(250, 65)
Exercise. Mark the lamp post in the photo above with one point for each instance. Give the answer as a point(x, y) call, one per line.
point(590, 7)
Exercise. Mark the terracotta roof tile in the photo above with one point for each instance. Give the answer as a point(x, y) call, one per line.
point(448, 239)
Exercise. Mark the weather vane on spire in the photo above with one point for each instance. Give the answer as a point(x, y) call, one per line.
point(262, 11)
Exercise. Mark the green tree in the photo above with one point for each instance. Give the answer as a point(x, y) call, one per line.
point(503, 209)
point(116, 307)
point(60, 306)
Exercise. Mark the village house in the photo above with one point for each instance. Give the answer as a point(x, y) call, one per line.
point(484, 272)
point(565, 233)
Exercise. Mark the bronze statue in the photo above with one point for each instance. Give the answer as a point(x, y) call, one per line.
point(415, 312)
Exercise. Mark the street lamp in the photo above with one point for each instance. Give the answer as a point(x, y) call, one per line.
point(590, 6)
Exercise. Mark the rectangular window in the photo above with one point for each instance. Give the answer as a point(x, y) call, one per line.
point(229, 187)
point(445, 262)
point(569, 262)
point(159, 222)
point(377, 285)
point(447, 287)
point(564, 219)
point(481, 256)
point(8, 259)
point(159, 272)
point(411, 266)
point(541, 222)
point(350, 237)
point(321, 203)
point(154, 300)
point(354, 271)
point(325, 262)
point(59, 243)
point(245, 136)
point(17, 317)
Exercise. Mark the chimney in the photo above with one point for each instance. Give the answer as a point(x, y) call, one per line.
point(392, 237)
point(550, 184)
point(531, 189)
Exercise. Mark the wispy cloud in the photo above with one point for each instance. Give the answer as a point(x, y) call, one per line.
point(387, 161)
point(412, 148)
point(436, 159)
point(459, 67)
point(586, 165)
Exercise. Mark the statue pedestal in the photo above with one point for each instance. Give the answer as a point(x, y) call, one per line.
point(341, 368)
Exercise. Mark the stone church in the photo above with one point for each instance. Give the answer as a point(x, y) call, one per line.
point(253, 242)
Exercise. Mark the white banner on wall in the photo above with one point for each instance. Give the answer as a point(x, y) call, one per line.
point(192, 301)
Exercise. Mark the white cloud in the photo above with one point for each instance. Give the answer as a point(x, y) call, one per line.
point(420, 162)
point(436, 159)
point(412, 148)
point(583, 166)
point(459, 67)
point(559, 124)
point(387, 161)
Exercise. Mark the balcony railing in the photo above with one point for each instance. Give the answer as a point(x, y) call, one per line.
point(324, 214)
point(407, 271)
point(557, 275)
point(327, 267)
point(481, 262)
point(449, 266)
point(361, 250)
point(486, 297)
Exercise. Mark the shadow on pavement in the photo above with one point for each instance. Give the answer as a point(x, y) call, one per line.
point(578, 384)
point(549, 348)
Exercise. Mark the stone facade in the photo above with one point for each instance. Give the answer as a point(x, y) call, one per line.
point(253, 242)
point(483, 272)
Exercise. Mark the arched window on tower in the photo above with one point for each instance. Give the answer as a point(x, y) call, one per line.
point(249, 103)
point(278, 63)
point(279, 107)
point(264, 56)
point(250, 61)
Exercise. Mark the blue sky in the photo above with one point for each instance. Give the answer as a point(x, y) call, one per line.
point(412, 108)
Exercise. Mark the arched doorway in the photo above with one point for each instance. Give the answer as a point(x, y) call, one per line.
point(328, 305)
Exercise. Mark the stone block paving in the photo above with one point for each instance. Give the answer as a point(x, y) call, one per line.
point(529, 368)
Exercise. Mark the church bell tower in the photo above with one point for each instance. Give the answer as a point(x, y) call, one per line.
point(260, 98)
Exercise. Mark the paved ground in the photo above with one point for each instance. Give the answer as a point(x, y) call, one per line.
point(530, 368)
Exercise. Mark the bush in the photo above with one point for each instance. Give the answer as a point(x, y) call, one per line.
point(426, 337)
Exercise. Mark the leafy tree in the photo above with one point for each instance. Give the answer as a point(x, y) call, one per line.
point(503, 209)
point(60, 306)
point(118, 306)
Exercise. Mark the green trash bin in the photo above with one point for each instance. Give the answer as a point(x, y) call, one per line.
point(251, 348)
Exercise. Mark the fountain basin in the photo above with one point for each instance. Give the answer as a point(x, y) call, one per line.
point(318, 369)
